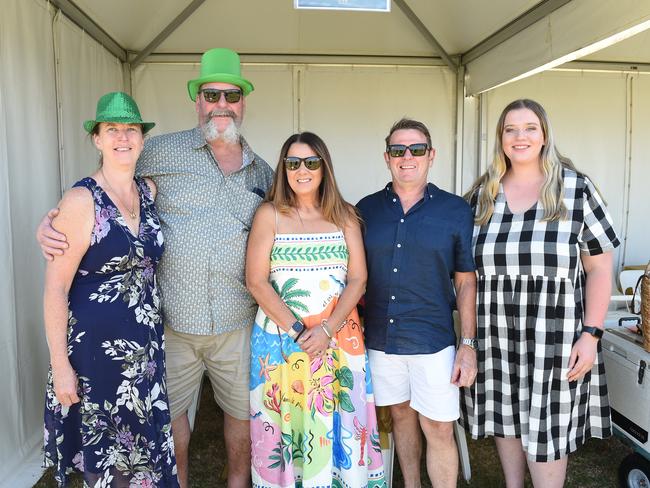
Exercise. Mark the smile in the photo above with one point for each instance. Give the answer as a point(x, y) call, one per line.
point(407, 166)
point(303, 180)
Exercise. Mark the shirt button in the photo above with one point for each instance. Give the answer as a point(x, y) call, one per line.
point(394, 199)
point(391, 321)
point(401, 220)
point(392, 297)
point(394, 270)
point(399, 245)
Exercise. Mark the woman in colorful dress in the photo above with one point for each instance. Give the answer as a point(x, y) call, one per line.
point(542, 244)
point(106, 413)
point(313, 418)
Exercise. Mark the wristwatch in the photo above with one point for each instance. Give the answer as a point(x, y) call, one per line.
point(470, 341)
point(295, 330)
point(597, 332)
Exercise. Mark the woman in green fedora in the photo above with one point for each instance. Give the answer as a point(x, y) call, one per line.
point(106, 412)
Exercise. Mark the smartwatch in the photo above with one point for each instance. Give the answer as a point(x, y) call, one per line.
point(295, 330)
point(597, 332)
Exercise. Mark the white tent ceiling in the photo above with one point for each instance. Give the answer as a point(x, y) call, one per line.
point(493, 42)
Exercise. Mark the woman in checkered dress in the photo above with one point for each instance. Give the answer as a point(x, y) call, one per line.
point(542, 243)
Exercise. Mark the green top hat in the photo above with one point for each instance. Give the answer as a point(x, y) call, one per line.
point(219, 65)
point(117, 107)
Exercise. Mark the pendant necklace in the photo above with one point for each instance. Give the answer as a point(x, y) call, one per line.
point(131, 210)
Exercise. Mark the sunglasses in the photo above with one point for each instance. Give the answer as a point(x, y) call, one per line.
point(312, 163)
point(213, 95)
point(398, 150)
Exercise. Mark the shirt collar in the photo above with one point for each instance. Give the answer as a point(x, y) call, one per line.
point(429, 190)
point(198, 142)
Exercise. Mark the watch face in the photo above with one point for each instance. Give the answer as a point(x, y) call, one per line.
point(298, 326)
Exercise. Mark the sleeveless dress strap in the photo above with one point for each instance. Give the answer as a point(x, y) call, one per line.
point(90, 184)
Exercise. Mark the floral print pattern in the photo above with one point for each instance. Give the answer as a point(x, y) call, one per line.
point(313, 422)
point(119, 434)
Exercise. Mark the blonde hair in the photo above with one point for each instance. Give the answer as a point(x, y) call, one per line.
point(332, 205)
point(550, 160)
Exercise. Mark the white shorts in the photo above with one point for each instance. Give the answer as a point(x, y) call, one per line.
point(424, 379)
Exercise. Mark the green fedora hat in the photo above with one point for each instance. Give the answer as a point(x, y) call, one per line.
point(219, 65)
point(120, 108)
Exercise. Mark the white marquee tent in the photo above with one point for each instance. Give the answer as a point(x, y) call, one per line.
point(345, 75)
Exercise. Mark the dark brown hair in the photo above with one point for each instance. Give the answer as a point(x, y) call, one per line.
point(333, 207)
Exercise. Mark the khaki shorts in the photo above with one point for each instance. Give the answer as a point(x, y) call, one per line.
point(226, 357)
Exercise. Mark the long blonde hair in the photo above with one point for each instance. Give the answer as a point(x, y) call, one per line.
point(550, 160)
point(332, 205)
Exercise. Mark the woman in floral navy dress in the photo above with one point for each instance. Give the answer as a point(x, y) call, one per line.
point(106, 412)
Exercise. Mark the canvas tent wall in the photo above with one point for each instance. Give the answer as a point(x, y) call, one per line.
point(345, 76)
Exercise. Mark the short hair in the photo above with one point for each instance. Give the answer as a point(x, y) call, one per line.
point(406, 124)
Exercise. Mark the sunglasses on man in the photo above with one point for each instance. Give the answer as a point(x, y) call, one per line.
point(312, 163)
point(398, 150)
point(213, 95)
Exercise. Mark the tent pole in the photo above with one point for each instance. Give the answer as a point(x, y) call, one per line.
point(415, 20)
point(166, 32)
point(522, 22)
point(79, 17)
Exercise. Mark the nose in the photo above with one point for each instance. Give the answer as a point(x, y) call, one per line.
point(222, 100)
point(408, 154)
point(122, 134)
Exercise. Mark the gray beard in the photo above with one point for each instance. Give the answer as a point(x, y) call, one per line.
point(230, 135)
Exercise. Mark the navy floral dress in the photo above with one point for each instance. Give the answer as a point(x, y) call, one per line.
point(119, 435)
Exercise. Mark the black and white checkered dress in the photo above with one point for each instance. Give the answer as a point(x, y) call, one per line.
point(530, 309)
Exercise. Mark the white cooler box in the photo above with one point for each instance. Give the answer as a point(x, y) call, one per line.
point(627, 366)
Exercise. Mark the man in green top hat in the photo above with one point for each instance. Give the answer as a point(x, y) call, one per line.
point(210, 183)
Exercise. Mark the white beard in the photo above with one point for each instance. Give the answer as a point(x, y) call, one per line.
point(230, 135)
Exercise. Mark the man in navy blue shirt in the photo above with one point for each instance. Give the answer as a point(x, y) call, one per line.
point(418, 241)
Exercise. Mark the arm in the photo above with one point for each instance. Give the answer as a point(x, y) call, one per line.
point(598, 288)
point(465, 369)
point(315, 339)
point(260, 243)
point(52, 242)
point(75, 219)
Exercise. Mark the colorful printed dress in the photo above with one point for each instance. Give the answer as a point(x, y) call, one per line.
point(530, 309)
point(313, 424)
point(119, 435)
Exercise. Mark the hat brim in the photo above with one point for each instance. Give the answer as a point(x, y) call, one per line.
point(89, 125)
point(194, 85)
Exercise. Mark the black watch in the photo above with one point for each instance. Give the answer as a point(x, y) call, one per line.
point(296, 329)
point(597, 332)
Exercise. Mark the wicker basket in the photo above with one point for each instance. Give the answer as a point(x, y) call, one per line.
point(645, 307)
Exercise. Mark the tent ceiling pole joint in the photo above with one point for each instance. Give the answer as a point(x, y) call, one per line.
point(79, 17)
point(415, 20)
point(166, 32)
point(535, 14)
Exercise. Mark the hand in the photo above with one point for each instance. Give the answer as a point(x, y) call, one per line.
point(65, 385)
point(583, 355)
point(314, 342)
point(464, 372)
point(52, 242)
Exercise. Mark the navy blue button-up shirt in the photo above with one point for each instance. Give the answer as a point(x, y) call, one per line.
point(411, 260)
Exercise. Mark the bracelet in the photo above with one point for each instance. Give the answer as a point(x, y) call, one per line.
point(323, 325)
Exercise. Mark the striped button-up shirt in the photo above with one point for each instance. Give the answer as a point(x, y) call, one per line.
point(205, 217)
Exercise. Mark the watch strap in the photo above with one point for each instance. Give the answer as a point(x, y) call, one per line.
point(470, 341)
point(597, 332)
